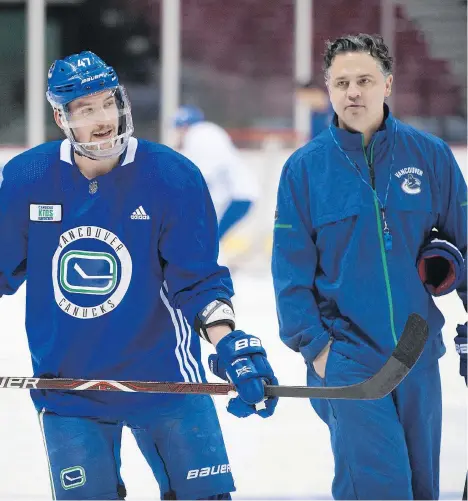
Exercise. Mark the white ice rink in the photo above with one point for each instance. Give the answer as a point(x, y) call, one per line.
point(285, 457)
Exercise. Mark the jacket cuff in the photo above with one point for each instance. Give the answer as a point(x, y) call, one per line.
point(311, 350)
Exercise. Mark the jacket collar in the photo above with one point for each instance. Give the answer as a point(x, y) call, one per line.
point(353, 140)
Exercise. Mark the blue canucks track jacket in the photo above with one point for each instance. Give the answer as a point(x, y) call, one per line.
point(117, 269)
point(349, 225)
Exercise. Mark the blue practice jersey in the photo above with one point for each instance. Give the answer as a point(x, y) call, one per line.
point(117, 268)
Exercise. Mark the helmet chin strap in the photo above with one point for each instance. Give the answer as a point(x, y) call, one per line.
point(94, 149)
point(119, 143)
point(79, 153)
point(84, 156)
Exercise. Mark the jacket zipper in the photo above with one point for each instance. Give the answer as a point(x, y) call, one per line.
point(371, 168)
point(370, 165)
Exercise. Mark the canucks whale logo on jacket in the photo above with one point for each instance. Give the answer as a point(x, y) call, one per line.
point(411, 180)
point(411, 185)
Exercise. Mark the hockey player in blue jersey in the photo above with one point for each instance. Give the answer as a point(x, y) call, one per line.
point(118, 241)
point(354, 254)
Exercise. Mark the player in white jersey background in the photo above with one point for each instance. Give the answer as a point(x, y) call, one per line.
point(233, 187)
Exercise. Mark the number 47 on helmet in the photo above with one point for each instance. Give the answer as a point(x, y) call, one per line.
point(90, 105)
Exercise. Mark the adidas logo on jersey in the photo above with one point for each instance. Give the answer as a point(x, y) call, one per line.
point(139, 213)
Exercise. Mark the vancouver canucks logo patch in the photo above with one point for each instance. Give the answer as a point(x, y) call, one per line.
point(410, 180)
point(91, 272)
point(411, 185)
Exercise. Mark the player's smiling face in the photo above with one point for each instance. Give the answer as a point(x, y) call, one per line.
point(94, 118)
point(357, 89)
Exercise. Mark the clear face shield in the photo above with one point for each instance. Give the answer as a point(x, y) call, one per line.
point(99, 125)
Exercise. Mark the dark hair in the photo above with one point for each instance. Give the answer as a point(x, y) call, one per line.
point(370, 44)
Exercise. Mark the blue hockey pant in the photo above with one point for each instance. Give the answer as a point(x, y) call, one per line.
point(184, 448)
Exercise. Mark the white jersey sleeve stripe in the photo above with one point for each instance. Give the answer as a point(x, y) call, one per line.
point(186, 348)
point(195, 363)
point(178, 336)
point(187, 337)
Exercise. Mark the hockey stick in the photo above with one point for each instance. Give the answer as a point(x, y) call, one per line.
point(403, 358)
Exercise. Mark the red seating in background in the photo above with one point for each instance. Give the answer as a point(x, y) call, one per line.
point(253, 40)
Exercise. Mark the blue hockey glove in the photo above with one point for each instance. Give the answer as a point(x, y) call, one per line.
point(242, 360)
point(440, 266)
point(461, 347)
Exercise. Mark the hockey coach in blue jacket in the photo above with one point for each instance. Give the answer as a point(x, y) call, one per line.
point(355, 207)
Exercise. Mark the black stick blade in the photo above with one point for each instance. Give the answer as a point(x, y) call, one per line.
point(404, 356)
point(411, 341)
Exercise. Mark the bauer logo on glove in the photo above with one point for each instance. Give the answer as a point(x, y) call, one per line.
point(242, 360)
